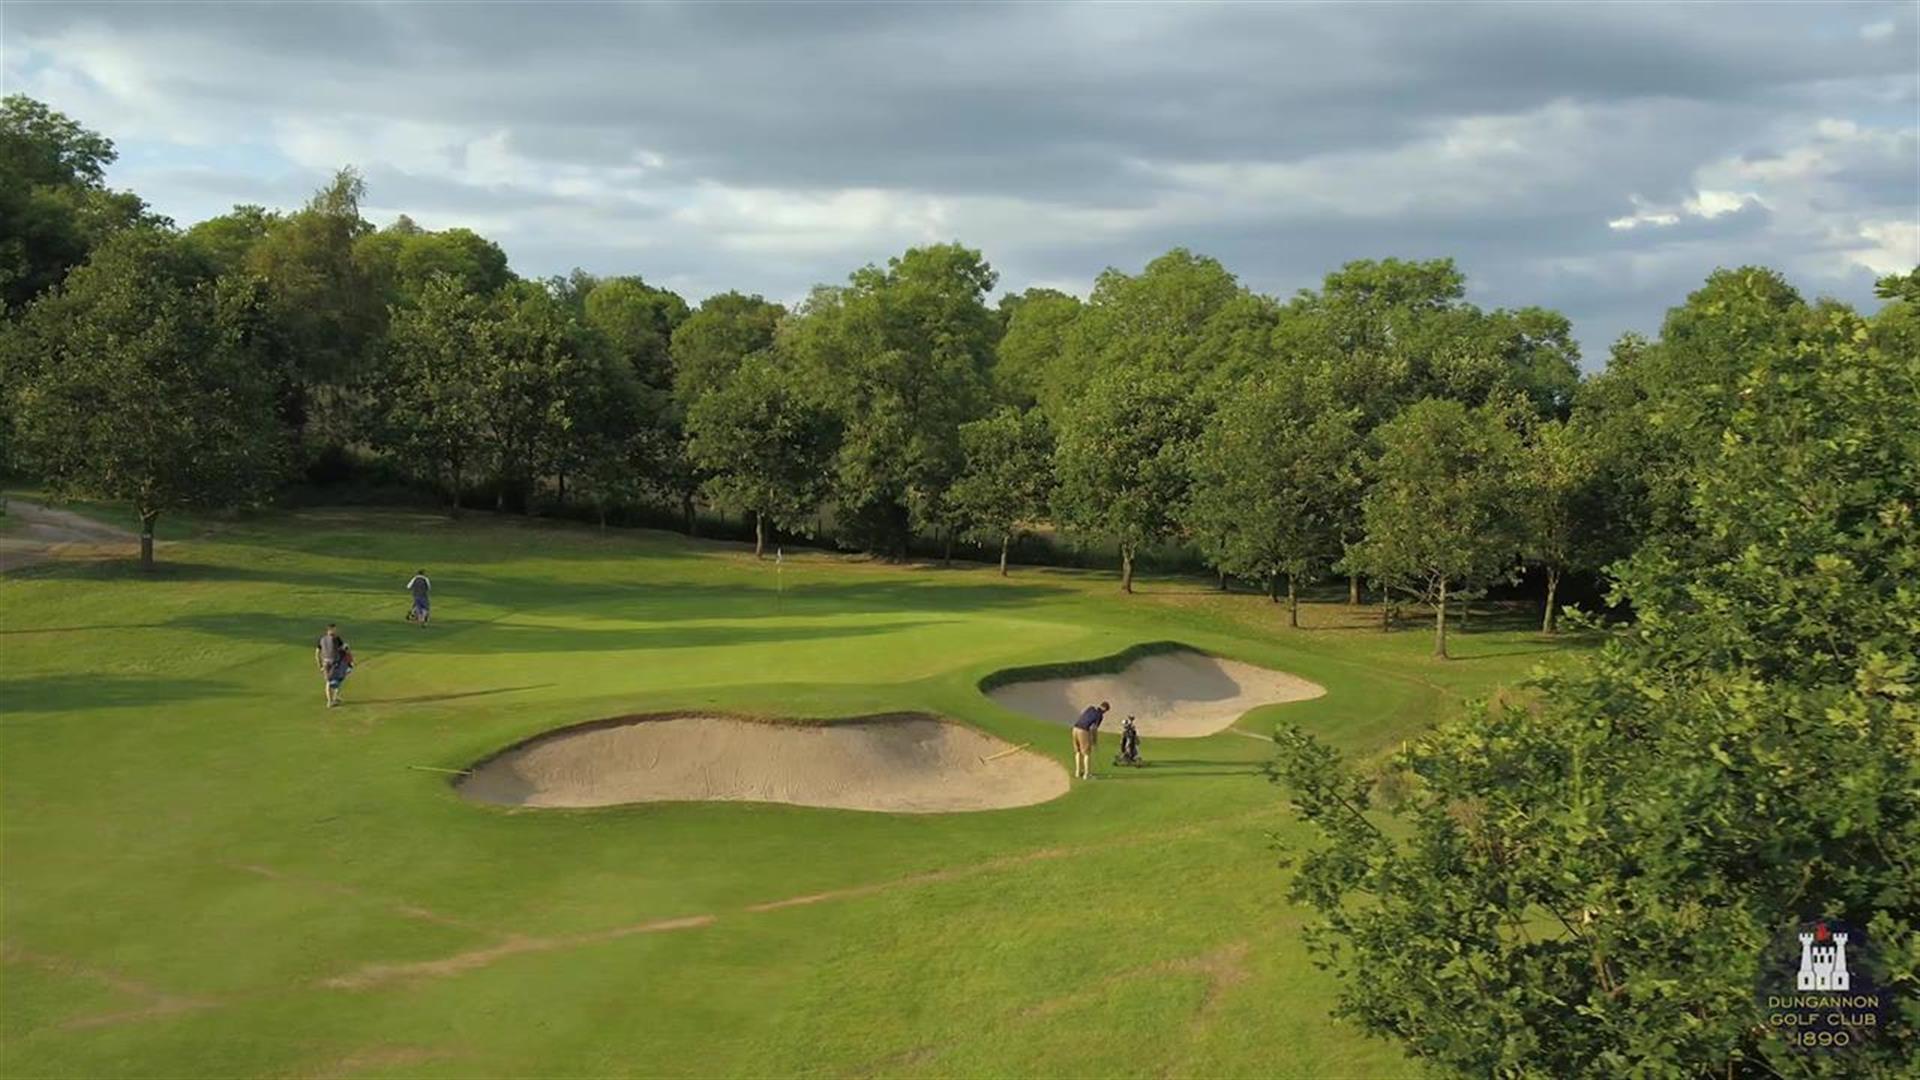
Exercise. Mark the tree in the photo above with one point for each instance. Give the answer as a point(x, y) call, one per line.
point(1438, 516)
point(1660, 408)
point(1122, 461)
point(764, 444)
point(229, 239)
point(144, 377)
point(710, 344)
point(638, 322)
point(1272, 475)
point(329, 307)
point(55, 206)
point(426, 407)
point(401, 259)
point(1156, 320)
point(1607, 880)
point(1561, 508)
point(901, 355)
point(1008, 478)
point(1037, 323)
point(537, 385)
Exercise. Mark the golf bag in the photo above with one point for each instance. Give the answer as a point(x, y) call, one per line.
point(1129, 744)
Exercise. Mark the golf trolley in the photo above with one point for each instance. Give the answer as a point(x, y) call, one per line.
point(1129, 745)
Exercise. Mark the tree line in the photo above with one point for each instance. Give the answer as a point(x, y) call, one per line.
point(1379, 427)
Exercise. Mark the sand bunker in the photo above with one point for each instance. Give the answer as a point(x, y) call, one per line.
point(1181, 694)
point(903, 765)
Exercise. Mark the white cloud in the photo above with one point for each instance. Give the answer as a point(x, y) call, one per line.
point(1878, 31)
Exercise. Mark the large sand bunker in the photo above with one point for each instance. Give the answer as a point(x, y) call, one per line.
point(900, 764)
point(1174, 694)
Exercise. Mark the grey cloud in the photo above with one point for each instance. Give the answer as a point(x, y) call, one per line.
point(1062, 108)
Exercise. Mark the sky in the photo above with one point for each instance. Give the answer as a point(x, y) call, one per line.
point(1600, 159)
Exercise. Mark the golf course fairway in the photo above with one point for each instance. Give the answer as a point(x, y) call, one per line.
point(209, 873)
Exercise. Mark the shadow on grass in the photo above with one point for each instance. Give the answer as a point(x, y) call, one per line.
point(503, 637)
point(640, 600)
point(82, 629)
point(1153, 770)
point(420, 699)
point(63, 692)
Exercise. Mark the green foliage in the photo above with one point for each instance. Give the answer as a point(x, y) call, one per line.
point(146, 378)
point(764, 444)
point(1155, 320)
point(901, 355)
point(1037, 324)
point(425, 393)
point(1591, 886)
point(228, 240)
point(401, 259)
point(1272, 477)
point(1658, 411)
point(638, 322)
point(712, 342)
point(328, 307)
point(1395, 332)
point(1439, 514)
point(1123, 461)
point(1008, 478)
point(1561, 504)
point(54, 203)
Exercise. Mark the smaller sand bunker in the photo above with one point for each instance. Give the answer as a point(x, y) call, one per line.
point(903, 765)
point(1181, 694)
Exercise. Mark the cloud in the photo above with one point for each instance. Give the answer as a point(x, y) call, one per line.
point(1597, 157)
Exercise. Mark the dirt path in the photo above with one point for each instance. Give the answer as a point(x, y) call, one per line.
point(34, 533)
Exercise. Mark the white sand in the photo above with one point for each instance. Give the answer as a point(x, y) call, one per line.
point(904, 765)
point(1171, 695)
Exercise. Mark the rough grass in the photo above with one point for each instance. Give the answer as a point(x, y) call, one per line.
point(208, 873)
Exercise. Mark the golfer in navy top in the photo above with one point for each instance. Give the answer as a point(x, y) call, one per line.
point(1086, 732)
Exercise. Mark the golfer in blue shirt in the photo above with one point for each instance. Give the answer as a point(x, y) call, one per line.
point(1086, 732)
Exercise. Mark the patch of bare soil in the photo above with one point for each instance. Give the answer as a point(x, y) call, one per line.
point(37, 533)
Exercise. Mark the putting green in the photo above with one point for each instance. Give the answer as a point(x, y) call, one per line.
point(209, 873)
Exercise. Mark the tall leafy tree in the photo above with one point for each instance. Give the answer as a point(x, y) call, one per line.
point(426, 390)
point(1272, 476)
point(1008, 479)
point(1561, 506)
point(401, 259)
point(1661, 406)
point(331, 312)
point(55, 206)
point(538, 386)
point(1037, 324)
point(1606, 881)
point(902, 353)
point(638, 322)
point(711, 343)
point(229, 239)
point(1438, 516)
point(764, 442)
point(147, 378)
point(1123, 461)
point(1156, 320)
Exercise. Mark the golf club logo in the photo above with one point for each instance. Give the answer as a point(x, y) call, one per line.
point(1823, 966)
point(1824, 1001)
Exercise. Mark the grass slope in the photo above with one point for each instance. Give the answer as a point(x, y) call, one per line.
point(208, 873)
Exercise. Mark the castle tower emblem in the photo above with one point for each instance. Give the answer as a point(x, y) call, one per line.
point(1823, 960)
